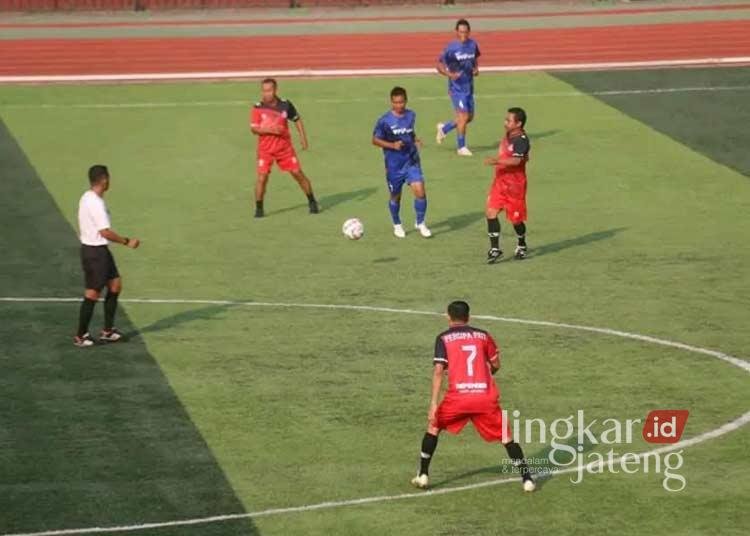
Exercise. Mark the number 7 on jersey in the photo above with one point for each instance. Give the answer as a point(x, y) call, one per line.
point(471, 350)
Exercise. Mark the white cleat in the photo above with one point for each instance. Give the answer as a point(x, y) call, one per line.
point(420, 481)
point(423, 230)
point(464, 151)
point(398, 231)
point(84, 341)
point(529, 486)
point(440, 136)
point(113, 335)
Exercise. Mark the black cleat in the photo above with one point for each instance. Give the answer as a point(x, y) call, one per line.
point(494, 255)
point(520, 253)
point(259, 213)
point(314, 208)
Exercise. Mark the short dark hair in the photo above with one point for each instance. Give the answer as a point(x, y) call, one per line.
point(97, 172)
point(463, 22)
point(398, 91)
point(519, 114)
point(458, 311)
point(269, 81)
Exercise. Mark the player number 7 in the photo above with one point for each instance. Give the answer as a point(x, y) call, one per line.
point(470, 349)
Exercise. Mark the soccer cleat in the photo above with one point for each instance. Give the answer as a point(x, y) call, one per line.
point(529, 485)
point(423, 230)
point(110, 335)
point(259, 213)
point(398, 231)
point(520, 253)
point(440, 136)
point(494, 255)
point(464, 151)
point(84, 341)
point(314, 208)
point(420, 481)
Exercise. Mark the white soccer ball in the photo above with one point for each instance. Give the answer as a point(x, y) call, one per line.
point(353, 229)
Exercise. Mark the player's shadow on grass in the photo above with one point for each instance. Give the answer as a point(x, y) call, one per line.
point(176, 320)
point(457, 222)
point(328, 202)
point(588, 238)
point(532, 136)
point(543, 472)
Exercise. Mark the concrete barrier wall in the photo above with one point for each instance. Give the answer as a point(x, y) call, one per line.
point(136, 5)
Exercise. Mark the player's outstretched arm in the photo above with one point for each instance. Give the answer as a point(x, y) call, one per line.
point(112, 236)
point(302, 134)
point(383, 144)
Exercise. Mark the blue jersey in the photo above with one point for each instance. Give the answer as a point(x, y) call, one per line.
point(461, 58)
point(392, 128)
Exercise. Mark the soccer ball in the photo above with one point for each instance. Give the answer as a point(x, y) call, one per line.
point(353, 229)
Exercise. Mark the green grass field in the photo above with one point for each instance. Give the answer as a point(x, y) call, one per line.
point(638, 222)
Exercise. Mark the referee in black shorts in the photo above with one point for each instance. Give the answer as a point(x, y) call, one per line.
point(99, 267)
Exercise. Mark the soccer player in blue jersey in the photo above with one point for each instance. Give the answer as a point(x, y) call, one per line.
point(394, 133)
point(460, 63)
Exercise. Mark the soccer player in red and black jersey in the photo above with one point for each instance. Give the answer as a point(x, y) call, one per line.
point(508, 190)
point(471, 357)
point(269, 121)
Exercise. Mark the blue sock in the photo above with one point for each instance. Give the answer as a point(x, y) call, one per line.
point(395, 207)
point(461, 141)
point(447, 127)
point(420, 207)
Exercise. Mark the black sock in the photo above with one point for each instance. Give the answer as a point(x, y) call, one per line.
point(493, 231)
point(110, 308)
point(311, 197)
point(516, 454)
point(521, 232)
point(84, 316)
point(259, 205)
point(429, 444)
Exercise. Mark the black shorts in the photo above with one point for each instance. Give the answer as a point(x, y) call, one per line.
point(98, 266)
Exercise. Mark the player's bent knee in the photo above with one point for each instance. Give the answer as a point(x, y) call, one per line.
point(115, 285)
point(91, 294)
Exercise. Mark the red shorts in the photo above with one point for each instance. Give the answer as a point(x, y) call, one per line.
point(510, 197)
point(285, 158)
point(486, 415)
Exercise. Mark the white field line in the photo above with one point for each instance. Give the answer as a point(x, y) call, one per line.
point(307, 73)
point(549, 94)
point(711, 434)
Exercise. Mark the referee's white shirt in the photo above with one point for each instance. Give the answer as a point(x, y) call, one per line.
point(93, 217)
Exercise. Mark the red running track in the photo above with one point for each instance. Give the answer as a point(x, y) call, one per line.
point(404, 17)
point(365, 51)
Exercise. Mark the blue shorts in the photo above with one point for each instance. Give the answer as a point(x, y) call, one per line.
point(463, 102)
point(407, 174)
